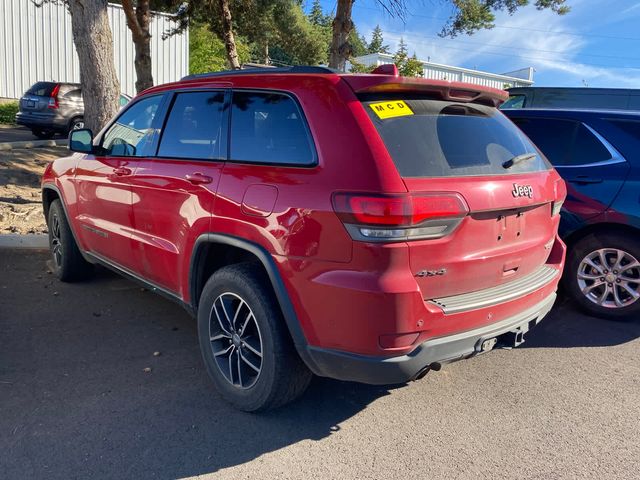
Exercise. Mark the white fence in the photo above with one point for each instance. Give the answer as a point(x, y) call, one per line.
point(36, 44)
point(438, 71)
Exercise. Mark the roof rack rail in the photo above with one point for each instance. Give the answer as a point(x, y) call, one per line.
point(262, 70)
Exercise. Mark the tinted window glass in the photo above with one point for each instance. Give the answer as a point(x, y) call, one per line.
point(587, 148)
point(268, 128)
point(514, 101)
point(435, 138)
point(42, 89)
point(132, 130)
point(553, 137)
point(195, 127)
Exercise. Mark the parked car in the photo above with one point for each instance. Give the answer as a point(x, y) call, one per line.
point(573, 97)
point(598, 155)
point(48, 108)
point(362, 227)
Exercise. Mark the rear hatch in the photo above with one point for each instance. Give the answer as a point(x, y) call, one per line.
point(504, 229)
point(38, 97)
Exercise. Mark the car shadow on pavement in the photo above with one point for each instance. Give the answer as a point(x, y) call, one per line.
point(78, 399)
point(567, 327)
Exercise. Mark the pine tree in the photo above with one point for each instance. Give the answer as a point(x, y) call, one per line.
point(377, 42)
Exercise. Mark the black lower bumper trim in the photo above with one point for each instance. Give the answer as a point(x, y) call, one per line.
point(392, 370)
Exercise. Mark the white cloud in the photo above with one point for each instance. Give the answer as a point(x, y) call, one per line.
point(545, 33)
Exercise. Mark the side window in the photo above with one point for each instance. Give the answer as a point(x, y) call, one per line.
point(131, 132)
point(269, 128)
point(587, 149)
point(195, 127)
point(553, 137)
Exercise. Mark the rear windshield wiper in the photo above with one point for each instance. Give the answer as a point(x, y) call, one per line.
point(519, 158)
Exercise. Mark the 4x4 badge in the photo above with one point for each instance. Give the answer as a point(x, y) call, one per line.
point(522, 190)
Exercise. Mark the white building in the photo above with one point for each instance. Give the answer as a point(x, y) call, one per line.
point(36, 44)
point(437, 71)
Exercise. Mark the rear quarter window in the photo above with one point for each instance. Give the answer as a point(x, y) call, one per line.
point(437, 138)
point(41, 89)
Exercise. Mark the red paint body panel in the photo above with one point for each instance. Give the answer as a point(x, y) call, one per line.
point(345, 293)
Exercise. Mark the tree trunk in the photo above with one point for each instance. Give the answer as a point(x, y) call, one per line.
point(340, 50)
point(265, 52)
point(227, 34)
point(94, 44)
point(138, 22)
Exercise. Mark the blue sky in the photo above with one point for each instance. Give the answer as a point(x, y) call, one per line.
point(597, 42)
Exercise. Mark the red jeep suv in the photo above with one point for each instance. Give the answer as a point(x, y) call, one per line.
point(362, 227)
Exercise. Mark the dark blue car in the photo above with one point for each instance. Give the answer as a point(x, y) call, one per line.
point(598, 155)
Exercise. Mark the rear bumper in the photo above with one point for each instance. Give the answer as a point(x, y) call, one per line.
point(390, 370)
point(46, 121)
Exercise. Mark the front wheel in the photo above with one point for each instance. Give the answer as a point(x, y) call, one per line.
point(603, 275)
point(68, 263)
point(245, 344)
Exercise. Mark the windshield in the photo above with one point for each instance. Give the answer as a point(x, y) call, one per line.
point(437, 138)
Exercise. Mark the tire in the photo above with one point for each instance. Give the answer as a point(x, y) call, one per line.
point(278, 376)
point(68, 263)
point(43, 134)
point(605, 267)
point(76, 124)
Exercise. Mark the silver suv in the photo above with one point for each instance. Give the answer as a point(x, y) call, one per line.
point(48, 108)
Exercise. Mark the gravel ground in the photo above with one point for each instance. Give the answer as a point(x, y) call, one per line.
point(77, 403)
point(20, 197)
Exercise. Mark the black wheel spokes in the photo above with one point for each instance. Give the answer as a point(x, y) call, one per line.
point(235, 340)
point(56, 243)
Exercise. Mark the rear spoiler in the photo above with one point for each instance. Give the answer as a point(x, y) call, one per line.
point(385, 79)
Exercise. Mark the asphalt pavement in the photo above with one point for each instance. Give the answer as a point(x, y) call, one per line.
point(20, 134)
point(76, 401)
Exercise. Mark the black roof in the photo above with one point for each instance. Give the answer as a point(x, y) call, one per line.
point(300, 69)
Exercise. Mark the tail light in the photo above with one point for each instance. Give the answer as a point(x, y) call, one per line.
point(53, 99)
point(394, 218)
point(560, 193)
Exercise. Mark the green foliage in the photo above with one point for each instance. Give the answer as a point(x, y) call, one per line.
point(207, 52)
point(357, 67)
point(377, 42)
point(358, 43)
point(407, 66)
point(472, 15)
point(317, 16)
point(8, 112)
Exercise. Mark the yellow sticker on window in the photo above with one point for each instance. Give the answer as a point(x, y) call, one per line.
point(390, 109)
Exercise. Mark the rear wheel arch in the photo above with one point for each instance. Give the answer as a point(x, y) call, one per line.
point(213, 251)
point(610, 228)
point(49, 194)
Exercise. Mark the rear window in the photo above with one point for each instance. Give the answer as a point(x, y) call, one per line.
point(42, 89)
point(436, 138)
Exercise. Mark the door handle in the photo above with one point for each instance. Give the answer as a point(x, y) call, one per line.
point(583, 180)
point(198, 178)
point(122, 171)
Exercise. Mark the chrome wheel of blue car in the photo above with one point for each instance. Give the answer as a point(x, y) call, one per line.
point(610, 278)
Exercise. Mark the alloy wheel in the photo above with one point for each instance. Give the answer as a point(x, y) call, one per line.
point(610, 277)
point(77, 125)
point(56, 242)
point(236, 341)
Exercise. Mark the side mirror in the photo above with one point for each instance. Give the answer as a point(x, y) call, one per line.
point(81, 140)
